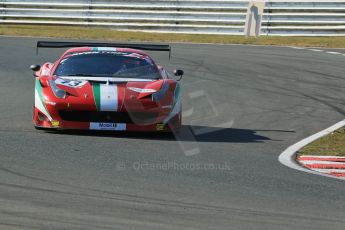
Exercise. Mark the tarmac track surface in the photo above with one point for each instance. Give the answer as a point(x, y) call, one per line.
point(265, 98)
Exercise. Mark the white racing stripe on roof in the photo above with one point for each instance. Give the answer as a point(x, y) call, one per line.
point(106, 49)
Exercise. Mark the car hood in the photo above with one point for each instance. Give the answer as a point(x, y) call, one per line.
point(134, 87)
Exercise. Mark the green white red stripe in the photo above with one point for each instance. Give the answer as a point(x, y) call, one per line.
point(106, 96)
point(39, 100)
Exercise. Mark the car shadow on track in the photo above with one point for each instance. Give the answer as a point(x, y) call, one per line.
point(187, 133)
point(216, 134)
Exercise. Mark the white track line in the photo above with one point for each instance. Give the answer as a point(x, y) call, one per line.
point(297, 47)
point(287, 157)
point(186, 43)
point(316, 50)
point(176, 42)
point(331, 52)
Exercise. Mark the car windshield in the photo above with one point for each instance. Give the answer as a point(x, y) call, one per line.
point(107, 64)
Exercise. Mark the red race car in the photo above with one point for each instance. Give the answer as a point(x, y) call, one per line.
point(104, 86)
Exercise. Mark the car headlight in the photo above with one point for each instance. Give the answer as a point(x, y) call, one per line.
point(59, 93)
point(141, 90)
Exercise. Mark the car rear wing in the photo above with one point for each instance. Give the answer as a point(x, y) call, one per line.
point(149, 47)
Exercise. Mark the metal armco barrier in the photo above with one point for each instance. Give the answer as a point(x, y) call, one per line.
point(228, 17)
point(304, 18)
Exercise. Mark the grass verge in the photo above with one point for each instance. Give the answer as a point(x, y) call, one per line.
point(108, 34)
point(332, 144)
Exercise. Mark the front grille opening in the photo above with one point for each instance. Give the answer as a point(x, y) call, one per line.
point(111, 117)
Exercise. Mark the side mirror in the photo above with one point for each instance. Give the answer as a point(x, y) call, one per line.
point(178, 73)
point(35, 68)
